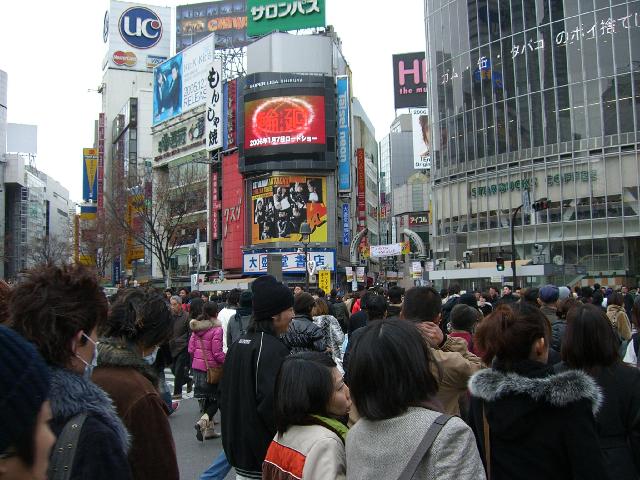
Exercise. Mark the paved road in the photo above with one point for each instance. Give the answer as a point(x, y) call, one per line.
point(193, 456)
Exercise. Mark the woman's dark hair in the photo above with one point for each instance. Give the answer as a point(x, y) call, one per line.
point(616, 298)
point(565, 305)
point(376, 306)
point(209, 310)
point(304, 387)
point(52, 304)
point(597, 298)
point(139, 317)
point(530, 296)
point(195, 307)
point(589, 341)
point(509, 332)
point(390, 369)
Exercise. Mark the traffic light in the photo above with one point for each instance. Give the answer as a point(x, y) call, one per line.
point(541, 204)
point(500, 264)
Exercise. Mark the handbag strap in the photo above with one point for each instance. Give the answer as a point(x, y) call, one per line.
point(204, 353)
point(487, 443)
point(424, 446)
point(64, 450)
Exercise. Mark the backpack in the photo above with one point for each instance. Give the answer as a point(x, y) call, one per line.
point(242, 322)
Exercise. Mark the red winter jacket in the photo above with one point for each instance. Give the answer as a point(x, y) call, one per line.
point(207, 334)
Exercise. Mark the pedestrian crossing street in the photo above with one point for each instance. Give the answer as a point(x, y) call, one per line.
point(170, 378)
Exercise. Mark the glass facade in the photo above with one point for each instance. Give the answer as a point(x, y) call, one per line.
point(540, 96)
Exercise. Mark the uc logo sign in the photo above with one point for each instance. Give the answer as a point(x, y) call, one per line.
point(140, 27)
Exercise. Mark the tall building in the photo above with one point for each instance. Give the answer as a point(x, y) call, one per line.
point(3, 150)
point(538, 97)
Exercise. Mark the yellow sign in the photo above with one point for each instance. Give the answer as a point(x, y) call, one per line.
point(324, 280)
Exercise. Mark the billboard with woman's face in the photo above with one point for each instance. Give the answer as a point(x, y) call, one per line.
point(421, 139)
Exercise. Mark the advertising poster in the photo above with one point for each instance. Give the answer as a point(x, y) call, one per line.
point(389, 250)
point(138, 37)
point(233, 216)
point(421, 139)
point(101, 130)
point(410, 80)
point(90, 174)
point(346, 227)
point(180, 83)
point(230, 112)
point(360, 274)
point(344, 134)
point(226, 18)
point(280, 204)
point(266, 16)
point(291, 120)
point(292, 261)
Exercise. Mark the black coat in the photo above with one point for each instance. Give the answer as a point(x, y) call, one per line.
point(104, 442)
point(618, 421)
point(541, 424)
point(304, 336)
point(246, 404)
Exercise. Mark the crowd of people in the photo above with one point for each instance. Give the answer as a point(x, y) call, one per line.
point(533, 383)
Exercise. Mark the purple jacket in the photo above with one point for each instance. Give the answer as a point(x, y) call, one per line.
point(211, 335)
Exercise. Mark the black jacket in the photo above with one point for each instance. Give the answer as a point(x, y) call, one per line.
point(341, 312)
point(356, 321)
point(393, 311)
point(304, 336)
point(104, 442)
point(246, 405)
point(446, 312)
point(541, 424)
point(618, 421)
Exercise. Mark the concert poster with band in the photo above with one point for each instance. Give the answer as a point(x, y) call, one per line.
point(280, 203)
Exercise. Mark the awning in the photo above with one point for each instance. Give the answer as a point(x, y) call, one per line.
point(226, 285)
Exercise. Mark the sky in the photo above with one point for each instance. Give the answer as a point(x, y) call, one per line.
point(52, 52)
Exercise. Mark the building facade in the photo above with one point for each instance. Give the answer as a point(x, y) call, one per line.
point(544, 98)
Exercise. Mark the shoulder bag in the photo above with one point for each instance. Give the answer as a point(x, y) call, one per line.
point(214, 374)
point(64, 450)
point(427, 441)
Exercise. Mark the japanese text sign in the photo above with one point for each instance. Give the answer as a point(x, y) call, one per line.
point(344, 135)
point(265, 16)
point(292, 261)
point(213, 116)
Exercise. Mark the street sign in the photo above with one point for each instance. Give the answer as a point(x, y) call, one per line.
point(324, 280)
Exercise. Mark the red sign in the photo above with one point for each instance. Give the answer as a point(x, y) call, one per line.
point(215, 205)
point(232, 93)
point(233, 207)
point(362, 212)
point(278, 121)
point(101, 122)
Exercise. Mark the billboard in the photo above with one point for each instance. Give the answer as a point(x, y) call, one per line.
point(230, 114)
point(226, 18)
point(180, 83)
point(292, 261)
point(266, 16)
point(290, 120)
point(138, 37)
point(421, 139)
point(410, 80)
point(101, 140)
point(233, 217)
point(90, 174)
point(280, 203)
point(343, 134)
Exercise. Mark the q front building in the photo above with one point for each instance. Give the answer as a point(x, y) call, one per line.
point(540, 97)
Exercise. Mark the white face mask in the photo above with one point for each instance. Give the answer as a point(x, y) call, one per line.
point(151, 358)
point(88, 367)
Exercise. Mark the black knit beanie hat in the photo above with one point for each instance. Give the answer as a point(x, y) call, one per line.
point(246, 299)
point(24, 387)
point(270, 297)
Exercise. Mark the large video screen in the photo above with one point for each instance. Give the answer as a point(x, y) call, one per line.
point(290, 120)
point(280, 203)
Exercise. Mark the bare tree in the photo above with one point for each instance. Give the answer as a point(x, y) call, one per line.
point(159, 223)
point(100, 245)
point(49, 250)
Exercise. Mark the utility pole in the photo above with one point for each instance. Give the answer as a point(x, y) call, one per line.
point(513, 246)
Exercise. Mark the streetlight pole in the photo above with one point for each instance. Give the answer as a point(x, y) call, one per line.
point(513, 246)
point(305, 237)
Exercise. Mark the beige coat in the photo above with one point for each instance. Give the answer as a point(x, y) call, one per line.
point(620, 321)
point(454, 366)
